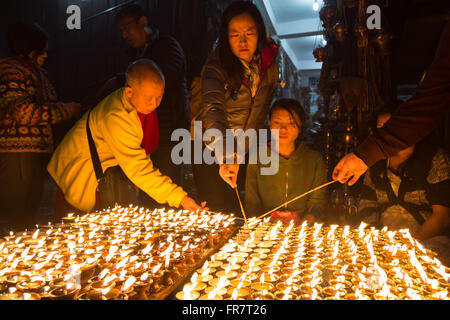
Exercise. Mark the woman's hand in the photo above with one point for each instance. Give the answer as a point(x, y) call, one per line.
point(229, 173)
point(189, 204)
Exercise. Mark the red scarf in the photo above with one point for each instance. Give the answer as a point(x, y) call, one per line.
point(268, 56)
point(151, 131)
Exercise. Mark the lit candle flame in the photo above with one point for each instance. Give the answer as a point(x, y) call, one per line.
point(227, 270)
point(289, 281)
point(441, 294)
point(314, 294)
point(144, 276)
point(156, 268)
point(418, 266)
point(344, 269)
point(103, 274)
point(35, 234)
point(187, 292)
point(212, 294)
point(127, 285)
point(235, 294)
point(104, 291)
point(413, 294)
point(108, 279)
point(286, 292)
point(206, 272)
point(147, 249)
point(167, 261)
point(122, 263)
point(408, 280)
point(222, 282)
point(359, 296)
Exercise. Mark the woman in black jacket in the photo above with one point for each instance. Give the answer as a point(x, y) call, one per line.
point(238, 85)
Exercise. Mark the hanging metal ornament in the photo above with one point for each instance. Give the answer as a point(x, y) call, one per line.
point(340, 31)
point(334, 116)
point(361, 35)
point(381, 42)
point(320, 53)
point(328, 16)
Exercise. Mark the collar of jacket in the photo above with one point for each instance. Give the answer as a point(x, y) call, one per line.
point(152, 38)
point(416, 167)
point(296, 155)
point(268, 56)
point(126, 102)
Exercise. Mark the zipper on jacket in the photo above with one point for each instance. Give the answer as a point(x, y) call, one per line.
point(287, 188)
point(252, 102)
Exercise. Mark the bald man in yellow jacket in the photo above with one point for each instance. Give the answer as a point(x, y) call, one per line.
point(117, 132)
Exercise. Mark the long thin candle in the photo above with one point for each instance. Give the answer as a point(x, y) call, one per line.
point(296, 198)
point(242, 208)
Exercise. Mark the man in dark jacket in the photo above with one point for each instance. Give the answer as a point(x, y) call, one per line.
point(412, 121)
point(169, 56)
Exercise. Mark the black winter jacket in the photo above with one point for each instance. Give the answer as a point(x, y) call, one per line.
point(168, 54)
point(236, 110)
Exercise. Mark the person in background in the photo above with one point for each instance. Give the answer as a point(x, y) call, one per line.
point(238, 85)
point(410, 189)
point(411, 122)
point(167, 53)
point(117, 135)
point(28, 108)
point(300, 169)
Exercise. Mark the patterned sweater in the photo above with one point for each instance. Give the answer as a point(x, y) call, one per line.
point(28, 107)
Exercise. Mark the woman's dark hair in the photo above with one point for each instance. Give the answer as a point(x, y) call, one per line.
point(25, 38)
point(228, 60)
point(292, 106)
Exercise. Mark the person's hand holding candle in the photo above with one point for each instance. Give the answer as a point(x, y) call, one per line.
point(229, 173)
point(349, 166)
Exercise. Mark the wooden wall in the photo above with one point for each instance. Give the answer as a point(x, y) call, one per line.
point(81, 60)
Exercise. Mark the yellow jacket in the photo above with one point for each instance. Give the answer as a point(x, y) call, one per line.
point(117, 132)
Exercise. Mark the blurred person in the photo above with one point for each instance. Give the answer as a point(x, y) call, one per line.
point(410, 189)
point(411, 122)
point(115, 149)
point(238, 84)
point(167, 53)
point(28, 108)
